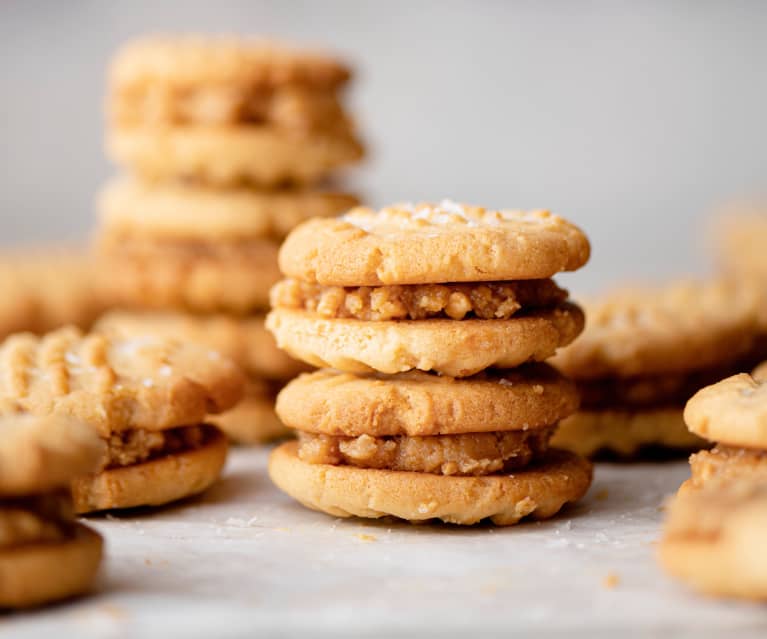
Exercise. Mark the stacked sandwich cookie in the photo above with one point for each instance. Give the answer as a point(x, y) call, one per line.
point(716, 526)
point(147, 398)
point(644, 353)
point(45, 555)
point(432, 322)
point(230, 144)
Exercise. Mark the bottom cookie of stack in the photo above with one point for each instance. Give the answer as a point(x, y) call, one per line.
point(418, 446)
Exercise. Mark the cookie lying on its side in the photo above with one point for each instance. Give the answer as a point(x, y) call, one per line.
point(146, 397)
point(45, 555)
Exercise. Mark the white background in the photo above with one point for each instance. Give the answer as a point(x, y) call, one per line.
point(632, 119)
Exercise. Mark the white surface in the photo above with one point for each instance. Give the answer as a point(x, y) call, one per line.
point(246, 558)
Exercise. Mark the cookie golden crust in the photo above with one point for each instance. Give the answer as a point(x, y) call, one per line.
point(39, 454)
point(420, 404)
point(201, 277)
point(175, 211)
point(733, 411)
point(713, 539)
point(115, 384)
point(760, 372)
point(45, 288)
point(225, 156)
point(253, 420)
point(344, 491)
point(724, 463)
point(38, 573)
point(155, 482)
point(449, 347)
point(41, 518)
point(243, 340)
point(431, 244)
point(188, 61)
point(625, 433)
point(485, 300)
point(470, 455)
point(683, 327)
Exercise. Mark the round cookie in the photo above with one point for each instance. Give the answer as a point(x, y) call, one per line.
point(733, 411)
point(344, 491)
point(176, 211)
point(625, 433)
point(202, 277)
point(38, 573)
point(186, 61)
point(115, 384)
point(41, 454)
point(454, 348)
point(266, 156)
point(713, 539)
point(432, 243)
point(679, 328)
point(155, 482)
point(243, 340)
point(421, 404)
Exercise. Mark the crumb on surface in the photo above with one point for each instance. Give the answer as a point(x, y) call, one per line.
point(601, 495)
point(366, 538)
point(611, 581)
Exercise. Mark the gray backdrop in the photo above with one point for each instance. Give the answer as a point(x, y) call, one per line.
point(633, 119)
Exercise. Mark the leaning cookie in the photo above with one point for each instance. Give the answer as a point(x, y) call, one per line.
point(713, 539)
point(147, 398)
point(45, 555)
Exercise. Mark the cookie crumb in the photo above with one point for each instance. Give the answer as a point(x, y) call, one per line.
point(366, 538)
point(602, 495)
point(611, 581)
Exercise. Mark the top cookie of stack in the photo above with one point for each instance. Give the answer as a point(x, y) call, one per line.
point(226, 111)
point(412, 304)
point(226, 140)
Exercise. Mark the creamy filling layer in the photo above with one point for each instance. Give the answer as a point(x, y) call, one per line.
point(139, 445)
point(474, 454)
point(39, 519)
point(728, 463)
point(294, 108)
point(483, 300)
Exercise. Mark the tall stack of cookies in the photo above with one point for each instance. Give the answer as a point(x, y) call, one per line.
point(644, 353)
point(714, 537)
point(230, 144)
point(431, 322)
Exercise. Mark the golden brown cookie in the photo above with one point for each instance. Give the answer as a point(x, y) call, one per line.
point(155, 482)
point(227, 156)
point(760, 372)
point(39, 454)
point(625, 433)
point(36, 573)
point(243, 340)
point(178, 211)
point(343, 491)
point(253, 420)
point(713, 539)
point(682, 327)
point(233, 277)
point(455, 348)
point(115, 384)
point(432, 243)
point(421, 404)
point(733, 411)
point(724, 463)
point(47, 287)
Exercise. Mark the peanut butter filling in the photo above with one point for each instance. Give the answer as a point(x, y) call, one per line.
point(39, 519)
point(727, 463)
point(135, 446)
point(299, 109)
point(474, 454)
point(484, 300)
